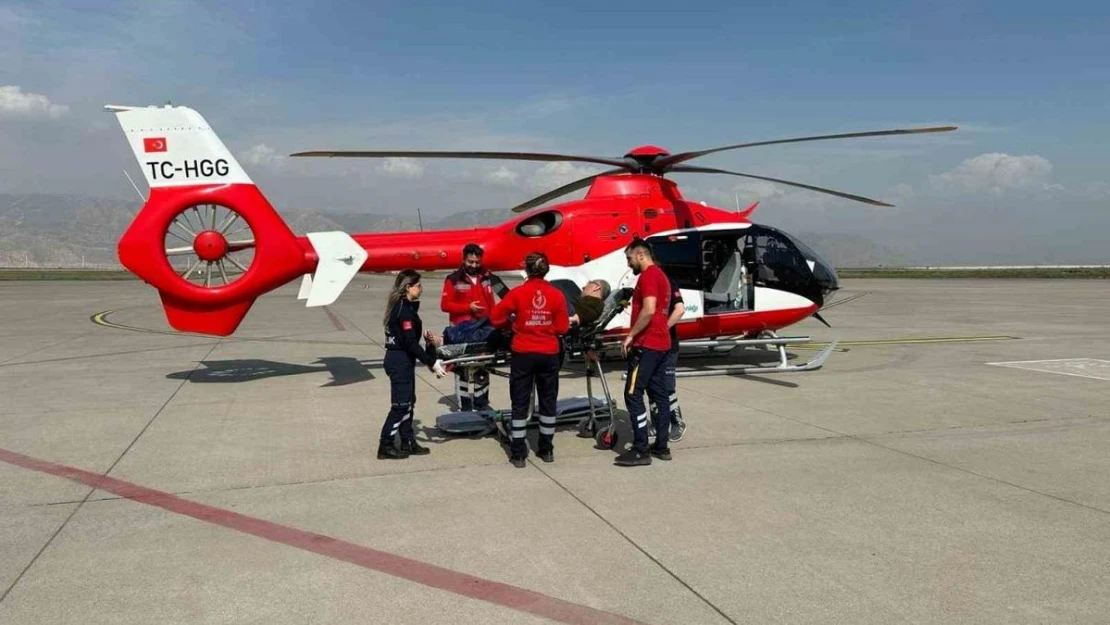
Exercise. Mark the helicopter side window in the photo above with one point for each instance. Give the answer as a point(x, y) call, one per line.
point(540, 225)
point(680, 258)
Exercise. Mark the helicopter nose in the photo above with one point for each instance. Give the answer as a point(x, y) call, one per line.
point(825, 275)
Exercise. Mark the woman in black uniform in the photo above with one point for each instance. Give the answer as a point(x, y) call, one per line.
point(402, 350)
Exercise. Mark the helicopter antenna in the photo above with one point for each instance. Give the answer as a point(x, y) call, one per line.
point(134, 186)
point(738, 201)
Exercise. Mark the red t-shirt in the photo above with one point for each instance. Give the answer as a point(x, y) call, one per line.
point(653, 283)
point(541, 316)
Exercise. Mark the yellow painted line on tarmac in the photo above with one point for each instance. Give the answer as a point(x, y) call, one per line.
point(909, 341)
point(101, 319)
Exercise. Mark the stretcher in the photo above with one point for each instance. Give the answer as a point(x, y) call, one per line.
point(591, 413)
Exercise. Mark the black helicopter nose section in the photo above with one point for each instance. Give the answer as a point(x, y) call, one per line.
point(793, 265)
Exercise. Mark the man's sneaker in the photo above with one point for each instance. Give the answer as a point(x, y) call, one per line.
point(664, 454)
point(517, 462)
point(633, 458)
point(547, 456)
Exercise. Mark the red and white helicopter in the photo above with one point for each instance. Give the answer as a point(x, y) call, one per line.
point(741, 281)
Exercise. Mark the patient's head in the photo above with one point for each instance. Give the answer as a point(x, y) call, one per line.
point(596, 288)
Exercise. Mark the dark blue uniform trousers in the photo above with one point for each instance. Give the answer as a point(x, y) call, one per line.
point(647, 370)
point(542, 372)
point(401, 369)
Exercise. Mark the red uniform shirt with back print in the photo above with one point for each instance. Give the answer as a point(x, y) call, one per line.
point(541, 316)
point(652, 283)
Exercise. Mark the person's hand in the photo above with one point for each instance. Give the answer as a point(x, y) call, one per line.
point(433, 338)
point(476, 308)
point(439, 369)
point(625, 345)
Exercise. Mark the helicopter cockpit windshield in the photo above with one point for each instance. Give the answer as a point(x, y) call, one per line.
point(782, 262)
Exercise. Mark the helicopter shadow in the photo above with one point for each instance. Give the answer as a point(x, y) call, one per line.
point(343, 370)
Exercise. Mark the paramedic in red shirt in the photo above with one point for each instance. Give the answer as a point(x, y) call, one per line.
point(541, 318)
point(468, 295)
point(647, 348)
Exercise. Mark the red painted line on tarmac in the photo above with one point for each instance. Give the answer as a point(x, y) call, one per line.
point(334, 320)
point(388, 563)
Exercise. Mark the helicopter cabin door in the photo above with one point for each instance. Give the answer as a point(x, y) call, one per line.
point(680, 258)
point(725, 271)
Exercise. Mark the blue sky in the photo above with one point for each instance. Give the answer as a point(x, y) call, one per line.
point(1027, 82)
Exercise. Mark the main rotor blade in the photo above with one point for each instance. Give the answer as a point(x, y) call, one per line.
point(515, 156)
point(563, 190)
point(685, 156)
point(709, 170)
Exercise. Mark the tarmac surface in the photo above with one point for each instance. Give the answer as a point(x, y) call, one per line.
point(153, 477)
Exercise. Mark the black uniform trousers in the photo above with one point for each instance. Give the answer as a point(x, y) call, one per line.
point(401, 369)
point(528, 370)
point(647, 370)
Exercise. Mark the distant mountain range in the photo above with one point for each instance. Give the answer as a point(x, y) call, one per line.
point(48, 230)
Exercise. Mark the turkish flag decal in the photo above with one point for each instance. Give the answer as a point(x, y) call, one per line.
point(154, 144)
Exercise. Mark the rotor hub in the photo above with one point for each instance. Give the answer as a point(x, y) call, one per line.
point(210, 245)
point(647, 151)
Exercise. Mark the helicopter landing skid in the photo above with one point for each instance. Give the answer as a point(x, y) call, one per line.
point(775, 342)
point(783, 365)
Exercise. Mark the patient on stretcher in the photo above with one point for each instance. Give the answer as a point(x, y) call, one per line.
point(591, 309)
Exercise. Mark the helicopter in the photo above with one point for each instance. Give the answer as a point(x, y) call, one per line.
point(741, 282)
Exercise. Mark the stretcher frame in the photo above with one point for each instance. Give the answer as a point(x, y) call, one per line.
point(589, 412)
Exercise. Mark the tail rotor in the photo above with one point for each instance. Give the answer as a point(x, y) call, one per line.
point(210, 245)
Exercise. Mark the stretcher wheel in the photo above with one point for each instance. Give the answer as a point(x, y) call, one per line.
point(607, 439)
point(586, 431)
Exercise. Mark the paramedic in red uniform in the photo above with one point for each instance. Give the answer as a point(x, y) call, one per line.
point(541, 317)
point(647, 348)
point(468, 295)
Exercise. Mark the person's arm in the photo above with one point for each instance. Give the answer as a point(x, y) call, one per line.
point(411, 340)
point(447, 302)
point(500, 289)
point(652, 291)
point(562, 320)
point(679, 308)
point(643, 319)
point(499, 317)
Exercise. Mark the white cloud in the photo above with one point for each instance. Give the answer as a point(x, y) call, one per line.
point(402, 168)
point(502, 176)
point(13, 18)
point(15, 102)
point(558, 173)
point(260, 154)
point(1099, 190)
point(997, 172)
point(757, 190)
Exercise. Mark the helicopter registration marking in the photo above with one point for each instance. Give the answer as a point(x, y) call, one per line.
point(190, 168)
point(1079, 367)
